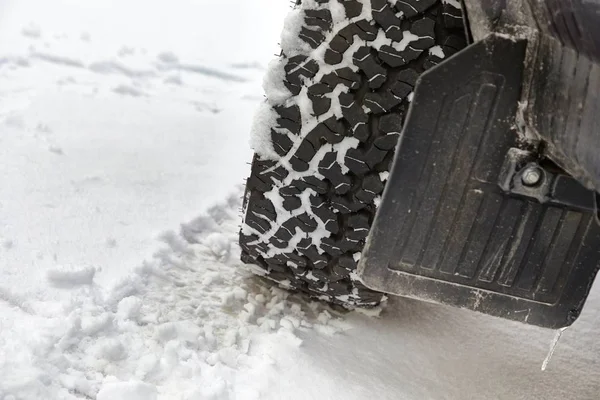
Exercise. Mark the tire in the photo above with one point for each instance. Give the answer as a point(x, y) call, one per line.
point(325, 137)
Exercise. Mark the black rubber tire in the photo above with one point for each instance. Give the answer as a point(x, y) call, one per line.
point(308, 210)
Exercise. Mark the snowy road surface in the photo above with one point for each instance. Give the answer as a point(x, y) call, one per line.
point(123, 142)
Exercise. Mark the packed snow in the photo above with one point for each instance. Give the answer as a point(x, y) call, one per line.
point(124, 142)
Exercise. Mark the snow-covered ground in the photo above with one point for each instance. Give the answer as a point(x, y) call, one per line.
point(123, 144)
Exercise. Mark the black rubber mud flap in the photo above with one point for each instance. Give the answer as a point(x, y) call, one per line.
point(446, 231)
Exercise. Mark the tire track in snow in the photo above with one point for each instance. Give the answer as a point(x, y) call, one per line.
point(105, 67)
point(186, 317)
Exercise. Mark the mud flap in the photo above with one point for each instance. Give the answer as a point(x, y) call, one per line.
point(446, 231)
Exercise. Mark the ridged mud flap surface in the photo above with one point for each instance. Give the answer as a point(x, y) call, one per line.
point(446, 232)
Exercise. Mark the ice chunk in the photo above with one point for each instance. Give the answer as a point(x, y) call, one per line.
point(552, 348)
point(437, 51)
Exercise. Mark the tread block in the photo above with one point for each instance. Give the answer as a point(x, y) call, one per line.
point(424, 28)
point(366, 30)
point(411, 8)
point(452, 16)
point(319, 89)
point(282, 144)
point(318, 18)
point(292, 112)
point(345, 205)
point(387, 142)
point(344, 76)
point(339, 44)
point(366, 61)
point(320, 104)
point(332, 170)
point(332, 57)
point(306, 150)
point(330, 131)
point(355, 163)
point(291, 203)
point(384, 15)
point(391, 56)
point(355, 116)
point(390, 123)
point(379, 103)
point(353, 8)
point(313, 38)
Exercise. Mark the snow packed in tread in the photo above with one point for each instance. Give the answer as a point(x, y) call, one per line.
point(350, 86)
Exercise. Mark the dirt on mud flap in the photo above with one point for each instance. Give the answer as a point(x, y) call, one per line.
point(469, 218)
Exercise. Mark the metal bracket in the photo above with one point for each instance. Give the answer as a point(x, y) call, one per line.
point(523, 175)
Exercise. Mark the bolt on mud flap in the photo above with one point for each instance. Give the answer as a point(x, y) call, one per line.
point(446, 231)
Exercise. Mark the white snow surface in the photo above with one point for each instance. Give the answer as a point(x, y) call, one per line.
point(124, 129)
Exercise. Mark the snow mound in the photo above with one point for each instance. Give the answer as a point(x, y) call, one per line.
point(184, 322)
point(273, 82)
point(260, 133)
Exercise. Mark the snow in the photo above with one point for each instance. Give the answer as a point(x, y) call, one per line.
point(119, 214)
point(437, 51)
point(273, 85)
point(260, 133)
point(290, 41)
point(69, 277)
point(131, 390)
point(382, 40)
point(453, 3)
point(553, 346)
